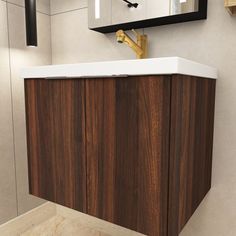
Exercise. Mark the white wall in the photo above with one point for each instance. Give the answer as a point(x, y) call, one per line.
point(212, 42)
point(14, 197)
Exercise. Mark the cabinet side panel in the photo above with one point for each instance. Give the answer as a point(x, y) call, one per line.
point(191, 142)
point(153, 154)
point(127, 124)
point(56, 142)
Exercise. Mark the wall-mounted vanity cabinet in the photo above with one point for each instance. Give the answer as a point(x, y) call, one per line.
point(134, 150)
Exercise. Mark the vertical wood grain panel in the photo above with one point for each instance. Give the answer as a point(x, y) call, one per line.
point(100, 139)
point(153, 146)
point(56, 141)
point(127, 152)
point(134, 151)
point(192, 119)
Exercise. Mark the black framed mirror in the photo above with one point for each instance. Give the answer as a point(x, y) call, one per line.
point(107, 16)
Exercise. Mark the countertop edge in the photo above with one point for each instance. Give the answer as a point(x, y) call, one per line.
point(123, 68)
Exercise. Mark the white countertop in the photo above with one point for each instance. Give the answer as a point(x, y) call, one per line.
point(155, 66)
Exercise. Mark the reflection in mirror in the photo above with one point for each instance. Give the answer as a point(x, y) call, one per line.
point(112, 12)
point(183, 6)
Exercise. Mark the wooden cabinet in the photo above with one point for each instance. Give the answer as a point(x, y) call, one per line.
point(55, 115)
point(134, 151)
point(127, 123)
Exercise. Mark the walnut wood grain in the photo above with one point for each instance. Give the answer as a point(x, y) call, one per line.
point(56, 141)
point(100, 126)
point(127, 151)
point(191, 142)
point(134, 151)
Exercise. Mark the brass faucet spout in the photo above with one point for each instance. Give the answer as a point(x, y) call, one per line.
point(140, 48)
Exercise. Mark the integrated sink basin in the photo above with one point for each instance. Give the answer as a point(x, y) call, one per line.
point(155, 66)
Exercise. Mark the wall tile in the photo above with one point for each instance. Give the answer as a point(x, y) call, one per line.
point(215, 216)
point(73, 42)
point(8, 206)
point(42, 5)
point(22, 56)
point(59, 6)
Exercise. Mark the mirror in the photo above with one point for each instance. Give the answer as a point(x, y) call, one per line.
point(110, 15)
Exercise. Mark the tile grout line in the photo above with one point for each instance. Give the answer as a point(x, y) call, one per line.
point(48, 14)
point(18, 5)
point(63, 12)
point(12, 112)
point(55, 14)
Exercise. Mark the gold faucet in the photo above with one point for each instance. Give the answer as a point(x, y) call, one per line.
point(140, 47)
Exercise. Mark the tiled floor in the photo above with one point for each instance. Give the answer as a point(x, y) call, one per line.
point(60, 226)
point(54, 220)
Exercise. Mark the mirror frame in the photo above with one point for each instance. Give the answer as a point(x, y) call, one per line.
point(179, 18)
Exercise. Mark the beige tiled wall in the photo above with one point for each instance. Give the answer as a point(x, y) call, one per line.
point(73, 42)
point(22, 56)
point(59, 6)
point(8, 205)
point(212, 41)
point(14, 197)
point(43, 6)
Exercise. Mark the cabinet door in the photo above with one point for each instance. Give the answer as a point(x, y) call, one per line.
point(56, 141)
point(127, 127)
